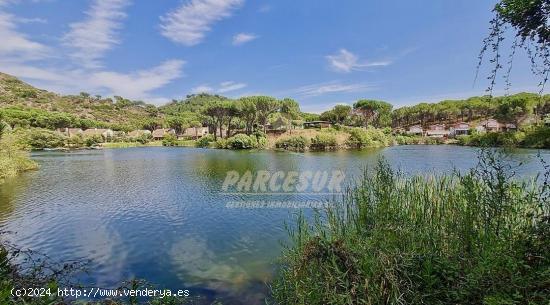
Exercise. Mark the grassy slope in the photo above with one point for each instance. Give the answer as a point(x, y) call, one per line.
point(14, 92)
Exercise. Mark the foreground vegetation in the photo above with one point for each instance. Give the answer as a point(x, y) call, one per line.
point(20, 268)
point(480, 237)
point(14, 159)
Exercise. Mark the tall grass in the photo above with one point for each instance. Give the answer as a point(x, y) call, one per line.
point(481, 237)
point(13, 158)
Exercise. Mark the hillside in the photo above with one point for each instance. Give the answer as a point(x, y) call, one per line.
point(16, 94)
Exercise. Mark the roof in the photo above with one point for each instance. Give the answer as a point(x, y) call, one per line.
point(461, 126)
point(437, 127)
point(415, 127)
point(137, 133)
point(438, 132)
point(96, 131)
point(159, 133)
point(490, 123)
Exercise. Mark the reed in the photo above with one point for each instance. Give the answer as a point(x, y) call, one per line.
point(480, 237)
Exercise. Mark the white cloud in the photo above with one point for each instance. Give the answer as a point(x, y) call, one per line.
point(332, 87)
point(189, 23)
point(230, 86)
point(31, 20)
point(243, 38)
point(202, 89)
point(138, 85)
point(224, 87)
point(16, 44)
point(97, 34)
point(345, 61)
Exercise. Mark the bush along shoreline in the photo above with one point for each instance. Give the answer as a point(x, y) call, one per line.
point(14, 157)
point(480, 237)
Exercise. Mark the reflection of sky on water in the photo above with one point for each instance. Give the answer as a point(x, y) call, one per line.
point(158, 213)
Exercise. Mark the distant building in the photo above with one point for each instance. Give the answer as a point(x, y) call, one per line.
point(437, 131)
point(317, 124)
point(138, 133)
point(491, 125)
point(159, 134)
point(105, 133)
point(195, 132)
point(279, 124)
point(416, 130)
point(510, 127)
point(70, 132)
point(460, 129)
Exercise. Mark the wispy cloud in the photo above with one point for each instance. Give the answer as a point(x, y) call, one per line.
point(345, 61)
point(16, 44)
point(223, 87)
point(230, 86)
point(333, 87)
point(97, 34)
point(189, 23)
point(138, 85)
point(202, 89)
point(243, 38)
point(31, 20)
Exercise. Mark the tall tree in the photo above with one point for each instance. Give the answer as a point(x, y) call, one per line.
point(290, 109)
point(374, 112)
point(265, 106)
point(248, 112)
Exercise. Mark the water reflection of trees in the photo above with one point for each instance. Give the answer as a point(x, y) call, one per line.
point(8, 194)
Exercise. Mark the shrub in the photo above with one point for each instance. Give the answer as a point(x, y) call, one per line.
point(370, 137)
point(205, 141)
point(474, 238)
point(408, 140)
point(169, 140)
point(323, 141)
point(297, 143)
point(221, 143)
point(93, 140)
point(37, 138)
point(537, 137)
point(261, 138)
point(13, 157)
point(242, 141)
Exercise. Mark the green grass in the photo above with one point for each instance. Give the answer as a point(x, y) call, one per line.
point(13, 158)
point(475, 238)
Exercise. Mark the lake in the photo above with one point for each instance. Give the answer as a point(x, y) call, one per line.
point(160, 214)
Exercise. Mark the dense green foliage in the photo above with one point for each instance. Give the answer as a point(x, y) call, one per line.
point(370, 137)
point(13, 157)
point(528, 21)
point(375, 113)
point(296, 143)
point(513, 109)
point(474, 238)
point(242, 141)
point(323, 141)
point(205, 141)
point(533, 137)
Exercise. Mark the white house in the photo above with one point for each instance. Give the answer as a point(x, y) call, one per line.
point(416, 130)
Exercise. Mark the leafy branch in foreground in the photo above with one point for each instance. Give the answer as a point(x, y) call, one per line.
point(529, 20)
point(480, 237)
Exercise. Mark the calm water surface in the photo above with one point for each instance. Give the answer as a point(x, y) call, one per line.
point(159, 213)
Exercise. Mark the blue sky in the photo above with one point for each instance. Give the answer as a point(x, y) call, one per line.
point(318, 52)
